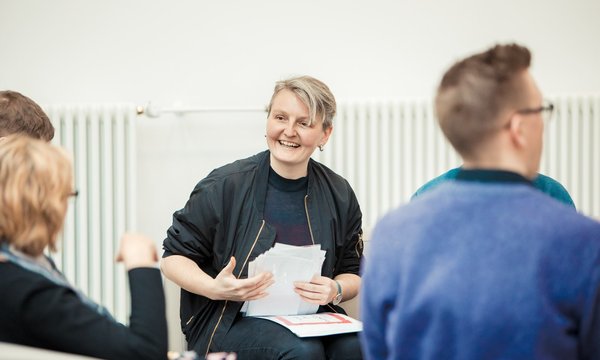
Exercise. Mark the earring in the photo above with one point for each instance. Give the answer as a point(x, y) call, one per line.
point(321, 147)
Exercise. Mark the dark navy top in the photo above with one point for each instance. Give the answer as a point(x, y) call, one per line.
point(284, 209)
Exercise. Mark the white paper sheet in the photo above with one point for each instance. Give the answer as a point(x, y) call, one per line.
point(318, 324)
point(287, 264)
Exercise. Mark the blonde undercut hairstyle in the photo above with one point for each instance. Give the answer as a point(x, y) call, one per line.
point(314, 94)
point(35, 183)
point(475, 91)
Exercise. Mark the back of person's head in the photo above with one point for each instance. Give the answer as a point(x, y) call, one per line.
point(21, 115)
point(477, 91)
point(314, 94)
point(35, 183)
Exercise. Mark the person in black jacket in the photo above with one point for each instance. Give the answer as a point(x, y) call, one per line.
point(38, 306)
point(242, 209)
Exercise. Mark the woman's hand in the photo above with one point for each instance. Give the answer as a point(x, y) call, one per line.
point(227, 287)
point(137, 250)
point(320, 290)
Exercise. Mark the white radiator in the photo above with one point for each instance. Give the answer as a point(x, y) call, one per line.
point(102, 142)
point(387, 150)
point(572, 149)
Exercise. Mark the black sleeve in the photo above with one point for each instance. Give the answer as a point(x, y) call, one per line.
point(57, 319)
point(194, 226)
point(353, 238)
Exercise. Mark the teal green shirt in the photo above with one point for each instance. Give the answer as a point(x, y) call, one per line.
point(543, 183)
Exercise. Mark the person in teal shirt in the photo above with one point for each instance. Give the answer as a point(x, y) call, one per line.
point(543, 183)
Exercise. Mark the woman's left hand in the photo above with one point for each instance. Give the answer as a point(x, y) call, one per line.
point(320, 290)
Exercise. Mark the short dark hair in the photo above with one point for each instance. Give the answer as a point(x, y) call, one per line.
point(476, 90)
point(21, 115)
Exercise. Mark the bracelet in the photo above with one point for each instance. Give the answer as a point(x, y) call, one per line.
point(338, 297)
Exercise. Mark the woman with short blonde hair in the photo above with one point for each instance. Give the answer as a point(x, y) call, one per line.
point(240, 210)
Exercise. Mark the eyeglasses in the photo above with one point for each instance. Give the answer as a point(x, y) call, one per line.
point(546, 110)
point(74, 193)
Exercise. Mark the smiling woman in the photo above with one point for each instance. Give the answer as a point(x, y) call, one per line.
point(242, 209)
point(294, 132)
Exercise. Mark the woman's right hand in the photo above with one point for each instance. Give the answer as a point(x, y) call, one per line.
point(137, 250)
point(227, 287)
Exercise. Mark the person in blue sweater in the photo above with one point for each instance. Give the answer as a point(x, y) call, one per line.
point(487, 266)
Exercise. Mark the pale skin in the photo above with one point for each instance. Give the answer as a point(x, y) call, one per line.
point(221, 356)
point(225, 286)
point(321, 290)
point(137, 250)
point(520, 139)
point(291, 140)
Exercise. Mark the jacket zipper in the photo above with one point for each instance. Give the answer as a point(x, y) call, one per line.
point(311, 234)
point(308, 219)
point(332, 308)
point(238, 276)
point(252, 248)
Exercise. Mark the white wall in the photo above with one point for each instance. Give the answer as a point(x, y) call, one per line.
point(229, 53)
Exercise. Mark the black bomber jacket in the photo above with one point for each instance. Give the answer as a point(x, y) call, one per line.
point(224, 217)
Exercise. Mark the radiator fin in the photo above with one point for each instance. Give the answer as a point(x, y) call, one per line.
point(387, 150)
point(101, 140)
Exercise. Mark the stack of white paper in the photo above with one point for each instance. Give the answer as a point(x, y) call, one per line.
point(288, 264)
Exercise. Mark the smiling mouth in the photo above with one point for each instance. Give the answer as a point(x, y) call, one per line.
point(288, 144)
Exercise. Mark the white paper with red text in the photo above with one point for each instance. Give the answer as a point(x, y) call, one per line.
point(321, 324)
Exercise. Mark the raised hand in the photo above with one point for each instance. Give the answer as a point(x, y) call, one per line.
point(137, 250)
point(227, 286)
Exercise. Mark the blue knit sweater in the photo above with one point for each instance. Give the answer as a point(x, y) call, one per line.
point(542, 182)
point(482, 271)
